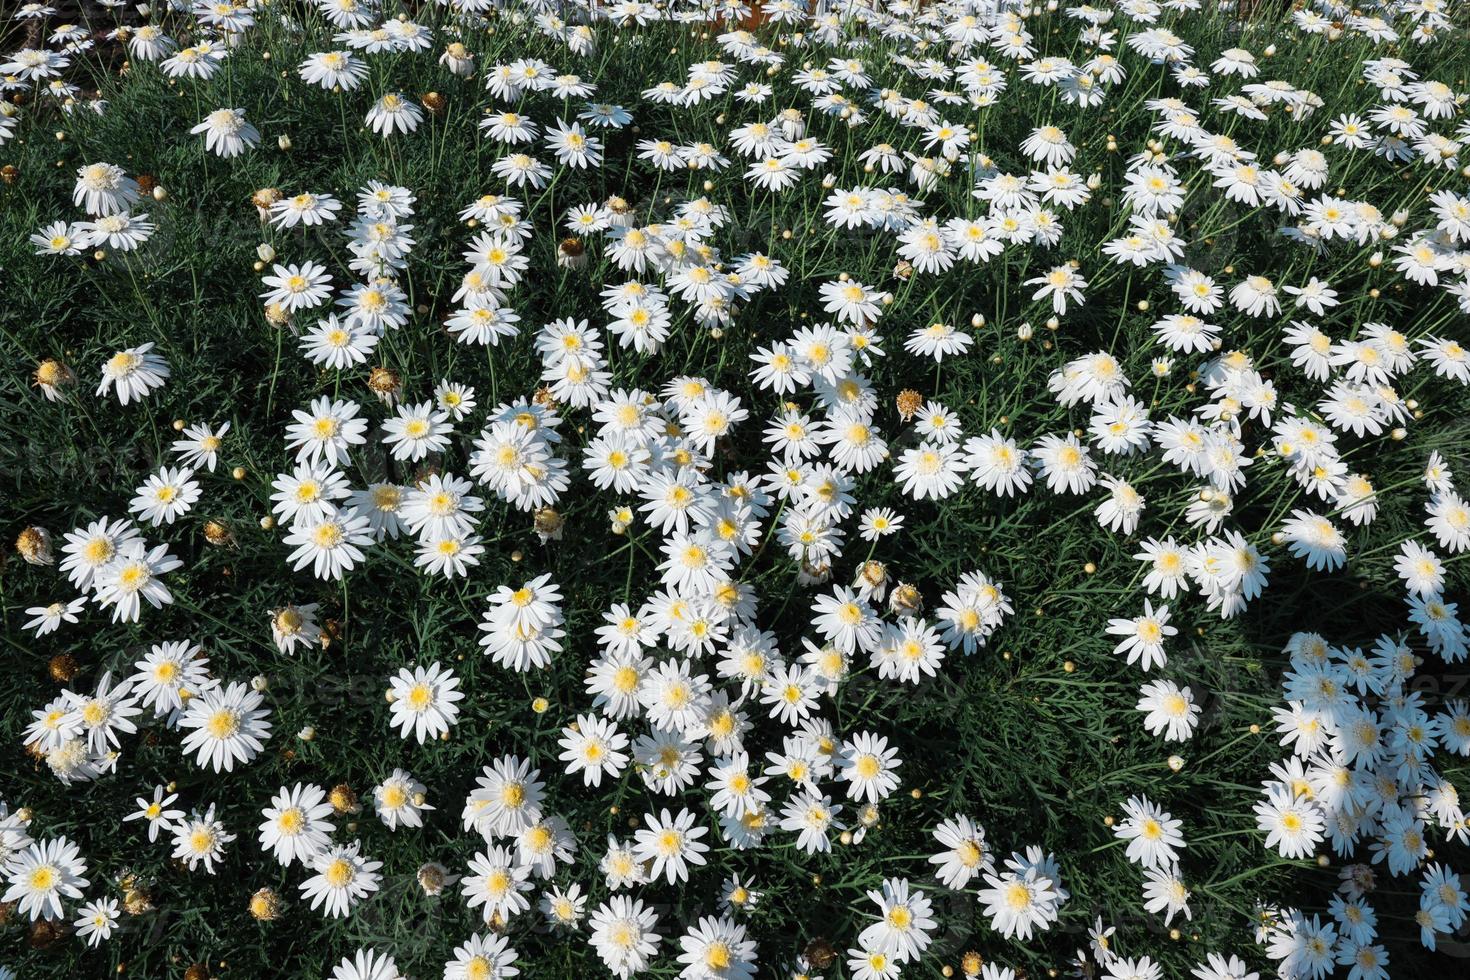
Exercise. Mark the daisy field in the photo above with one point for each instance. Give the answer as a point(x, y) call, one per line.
point(723, 490)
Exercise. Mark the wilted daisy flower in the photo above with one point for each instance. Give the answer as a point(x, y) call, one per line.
point(34, 545)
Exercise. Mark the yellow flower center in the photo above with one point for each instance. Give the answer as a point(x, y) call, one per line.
point(339, 873)
point(223, 723)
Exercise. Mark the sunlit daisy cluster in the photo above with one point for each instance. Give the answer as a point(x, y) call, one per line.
point(724, 317)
